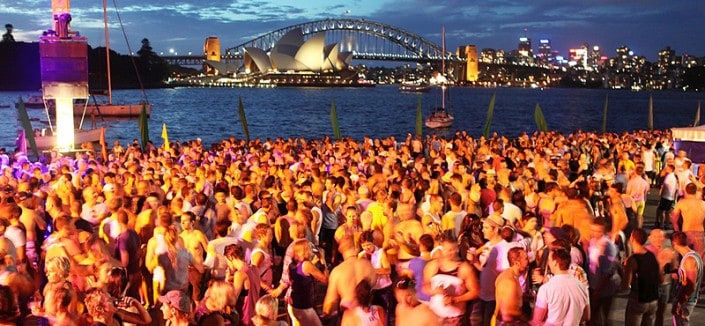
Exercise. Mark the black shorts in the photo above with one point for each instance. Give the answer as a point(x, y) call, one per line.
point(665, 204)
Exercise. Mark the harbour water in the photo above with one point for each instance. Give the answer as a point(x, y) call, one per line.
point(211, 113)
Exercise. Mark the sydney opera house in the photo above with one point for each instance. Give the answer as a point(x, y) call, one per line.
point(295, 62)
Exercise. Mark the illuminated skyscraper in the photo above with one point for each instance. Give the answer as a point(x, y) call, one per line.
point(488, 55)
point(469, 52)
point(545, 53)
point(579, 57)
point(595, 56)
point(524, 47)
point(623, 58)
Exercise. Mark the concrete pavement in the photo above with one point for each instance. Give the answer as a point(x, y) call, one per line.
point(620, 303)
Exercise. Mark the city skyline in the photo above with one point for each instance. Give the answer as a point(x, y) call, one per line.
point(645, 26)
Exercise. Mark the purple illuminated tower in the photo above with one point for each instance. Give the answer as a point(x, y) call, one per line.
point(64, 70)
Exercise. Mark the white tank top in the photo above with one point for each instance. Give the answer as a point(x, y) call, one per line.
point(370, 318)
point(383, 281)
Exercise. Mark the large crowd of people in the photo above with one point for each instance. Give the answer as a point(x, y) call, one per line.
point(541, 229)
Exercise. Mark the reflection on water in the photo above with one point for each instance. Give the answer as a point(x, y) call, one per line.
point(211, 113)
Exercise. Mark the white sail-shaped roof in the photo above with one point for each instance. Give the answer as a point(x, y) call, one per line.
point(260, 59)
point(292, 53)
point(311, 53)
point(284, 52)
point(330, 53)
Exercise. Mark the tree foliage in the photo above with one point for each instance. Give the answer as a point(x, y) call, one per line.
point(152, 69)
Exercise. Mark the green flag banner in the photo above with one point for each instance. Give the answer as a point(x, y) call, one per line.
point(540, 119)
point(144, 127)
point(243, 118)
point(604, 115)
point(27, 126)
point(334, 120)
point(490, 112)
point(419, 118)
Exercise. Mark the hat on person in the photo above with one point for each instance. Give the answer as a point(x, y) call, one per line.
point(495, 220)
point(108, 187)
point(177, 299)
point(557, 232)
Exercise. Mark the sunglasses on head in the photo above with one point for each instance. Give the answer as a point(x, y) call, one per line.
point(405, 284)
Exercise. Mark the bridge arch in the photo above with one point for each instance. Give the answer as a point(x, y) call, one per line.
point(366, 39)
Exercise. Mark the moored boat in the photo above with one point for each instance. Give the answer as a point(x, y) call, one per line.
point(47, 141)
point(439, 118)
point(32, 102)
point(414, 87)
point(110, 109)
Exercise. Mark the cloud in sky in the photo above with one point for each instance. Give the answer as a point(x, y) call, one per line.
point(646, 26)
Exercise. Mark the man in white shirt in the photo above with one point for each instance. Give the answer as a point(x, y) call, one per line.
point(668, 193)
point(563, 300)
point(648, 156)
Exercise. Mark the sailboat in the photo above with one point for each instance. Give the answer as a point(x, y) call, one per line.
point(109, 109)
point(440, 117)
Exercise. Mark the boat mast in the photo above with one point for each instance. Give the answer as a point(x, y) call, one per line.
point(443, 66)
point(107, 50)
point(443, 47)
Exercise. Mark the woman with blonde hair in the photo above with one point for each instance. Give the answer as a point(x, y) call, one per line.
point(267, 310)
point(108, 311)
point(64, 243)
point(302, 273)
point(217, 305)
point(57, 272)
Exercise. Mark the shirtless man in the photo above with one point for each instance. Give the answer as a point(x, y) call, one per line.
point(406, 234)
point(667, 260)
point(196, 243)
point(32, 220)
point(451, 283)
point(508, 290)
point(692, 210)
point(617, 211)
point(410, 311)
point(344, 278)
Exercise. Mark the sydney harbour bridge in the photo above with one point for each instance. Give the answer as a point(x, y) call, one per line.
point(367, 40)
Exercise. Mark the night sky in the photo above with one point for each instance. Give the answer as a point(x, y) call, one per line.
point(645, 26)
